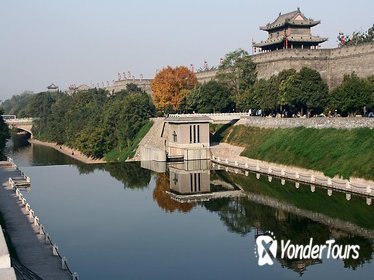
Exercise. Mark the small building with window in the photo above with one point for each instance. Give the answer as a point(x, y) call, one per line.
point(187, 137)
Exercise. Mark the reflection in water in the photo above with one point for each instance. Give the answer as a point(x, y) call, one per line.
point(164, 200)
point(130, 174)
point(247, 203)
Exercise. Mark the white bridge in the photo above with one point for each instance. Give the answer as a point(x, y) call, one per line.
point(24, 124)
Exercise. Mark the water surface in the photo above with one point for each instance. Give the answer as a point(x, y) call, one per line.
point(119, 221)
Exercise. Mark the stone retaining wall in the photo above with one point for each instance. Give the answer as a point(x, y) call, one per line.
point(342, 123)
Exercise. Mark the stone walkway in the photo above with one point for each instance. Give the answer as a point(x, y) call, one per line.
point(30, 246)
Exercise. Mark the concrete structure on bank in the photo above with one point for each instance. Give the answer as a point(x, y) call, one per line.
point(37, 255)
point(187, 137)
point(176, 138)
point(6, 270)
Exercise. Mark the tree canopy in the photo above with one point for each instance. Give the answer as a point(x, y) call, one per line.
point(168, 85)
point(4, 134)
point(353, 96)
point(238, 73)
point(359, 37)
point(210, 97)
point(90, 121)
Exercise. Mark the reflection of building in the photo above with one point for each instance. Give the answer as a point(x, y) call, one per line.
point(184, 181)
point(298, 266)
point(291, 30)
point(191, 182)
point(187, 137)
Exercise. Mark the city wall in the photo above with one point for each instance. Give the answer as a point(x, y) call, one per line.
point(332, 64)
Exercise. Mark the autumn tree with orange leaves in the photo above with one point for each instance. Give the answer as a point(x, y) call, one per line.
point(168, 85)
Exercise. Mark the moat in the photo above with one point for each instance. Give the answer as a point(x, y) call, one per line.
point(121, 221)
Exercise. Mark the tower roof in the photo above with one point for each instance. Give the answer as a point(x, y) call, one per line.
point(52, 86)
point(295, 18)
point(292, 38)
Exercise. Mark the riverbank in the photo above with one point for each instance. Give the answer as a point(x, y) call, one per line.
point(334, 152)
point(68, 151)
point(231, 153)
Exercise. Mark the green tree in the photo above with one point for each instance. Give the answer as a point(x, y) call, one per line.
point(93, 121)
point(210, 97)
point(305, 90)
point(352, 95)
point(238, 73)
point(4, 134)
point(360, 37)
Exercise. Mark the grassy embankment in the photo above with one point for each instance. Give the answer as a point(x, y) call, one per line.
point(119, 154)
point(343, 152)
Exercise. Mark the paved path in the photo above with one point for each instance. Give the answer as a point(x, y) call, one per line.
point(29, 245)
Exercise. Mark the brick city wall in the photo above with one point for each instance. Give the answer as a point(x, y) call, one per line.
point(332, 64)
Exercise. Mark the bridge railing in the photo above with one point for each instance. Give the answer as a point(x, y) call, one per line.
point(21, 121)
point(208, 114)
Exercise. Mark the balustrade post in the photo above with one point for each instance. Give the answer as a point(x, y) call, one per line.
point(41, 228)
point(368, 201)
point(36, 220)
point(64, 265)
point(312, 178)
point(329, 192)
point(55, 250)
point(329, 182)
point(368, 189)
point(348, 184)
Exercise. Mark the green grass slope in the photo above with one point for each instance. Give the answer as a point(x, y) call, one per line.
point(333, 151)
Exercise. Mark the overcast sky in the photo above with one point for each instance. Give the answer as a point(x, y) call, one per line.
point(89, 41)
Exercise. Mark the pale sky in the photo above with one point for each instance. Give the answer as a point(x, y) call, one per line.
point(89, 41)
